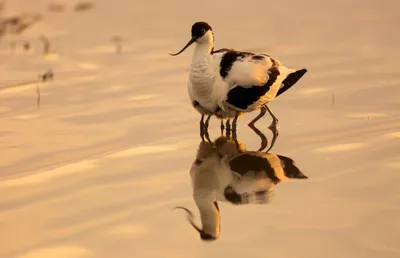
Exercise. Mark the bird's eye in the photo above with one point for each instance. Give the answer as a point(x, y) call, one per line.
point(203, 31)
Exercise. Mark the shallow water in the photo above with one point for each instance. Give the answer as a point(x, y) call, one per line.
point(96, 168)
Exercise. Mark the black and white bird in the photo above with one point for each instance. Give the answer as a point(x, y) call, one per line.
point(227, 83)
point(225, 171)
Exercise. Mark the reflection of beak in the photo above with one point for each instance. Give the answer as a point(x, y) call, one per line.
point(203, 235)
point(191, 41)
point(190, 219)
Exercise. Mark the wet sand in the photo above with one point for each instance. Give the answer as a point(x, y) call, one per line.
point(96, 169)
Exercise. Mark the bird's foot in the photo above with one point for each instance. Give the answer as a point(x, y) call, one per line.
point(264, 140)
point(207, 136)
point(274, 124)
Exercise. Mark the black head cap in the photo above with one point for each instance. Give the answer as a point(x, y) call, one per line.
point(199, 29)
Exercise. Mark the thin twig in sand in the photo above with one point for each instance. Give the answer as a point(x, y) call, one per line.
point(38, 96)
point(13, 46)
point(118, 43)
point(46, 45)
point(48, 75)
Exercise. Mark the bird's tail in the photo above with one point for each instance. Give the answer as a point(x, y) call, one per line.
point(291, 80)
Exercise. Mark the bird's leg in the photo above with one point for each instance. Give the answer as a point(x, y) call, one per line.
point(207, 136)
point(207, 121)
point(264, 140)
point(202, 128)
point(263, 110)
point(234, 123)
point(228, 128)
point(222, 127)
point(274, 119)
point(38, 96)
point(13, 45)
point(234, 127)
point(275, 134)
point(234, 134)
point(228, 124)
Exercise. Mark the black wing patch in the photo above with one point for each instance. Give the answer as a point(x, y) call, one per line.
point(229, 58)
point(227, 61)
point(290, 169)
point(221, 50)
point(242, 98)
point(247, 162)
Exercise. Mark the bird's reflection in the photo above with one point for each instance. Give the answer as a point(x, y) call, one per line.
point(264, 141)
point(224, 170)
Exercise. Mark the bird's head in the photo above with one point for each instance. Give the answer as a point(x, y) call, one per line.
point(201, 33)
point(204, 236)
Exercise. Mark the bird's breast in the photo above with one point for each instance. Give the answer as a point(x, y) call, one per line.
point(201, 82)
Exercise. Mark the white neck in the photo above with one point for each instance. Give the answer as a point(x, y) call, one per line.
point(210, 217)
point(203, 48)
point(202, 53)
point(202, 74)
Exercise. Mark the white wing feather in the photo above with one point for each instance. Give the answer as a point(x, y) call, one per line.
point(247, 72)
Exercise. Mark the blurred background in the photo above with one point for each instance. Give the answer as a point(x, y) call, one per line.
point(97, 134)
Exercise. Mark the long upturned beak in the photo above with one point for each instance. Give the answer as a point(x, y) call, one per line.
point(191, 41)
point(203, 235)
point(190, 218)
